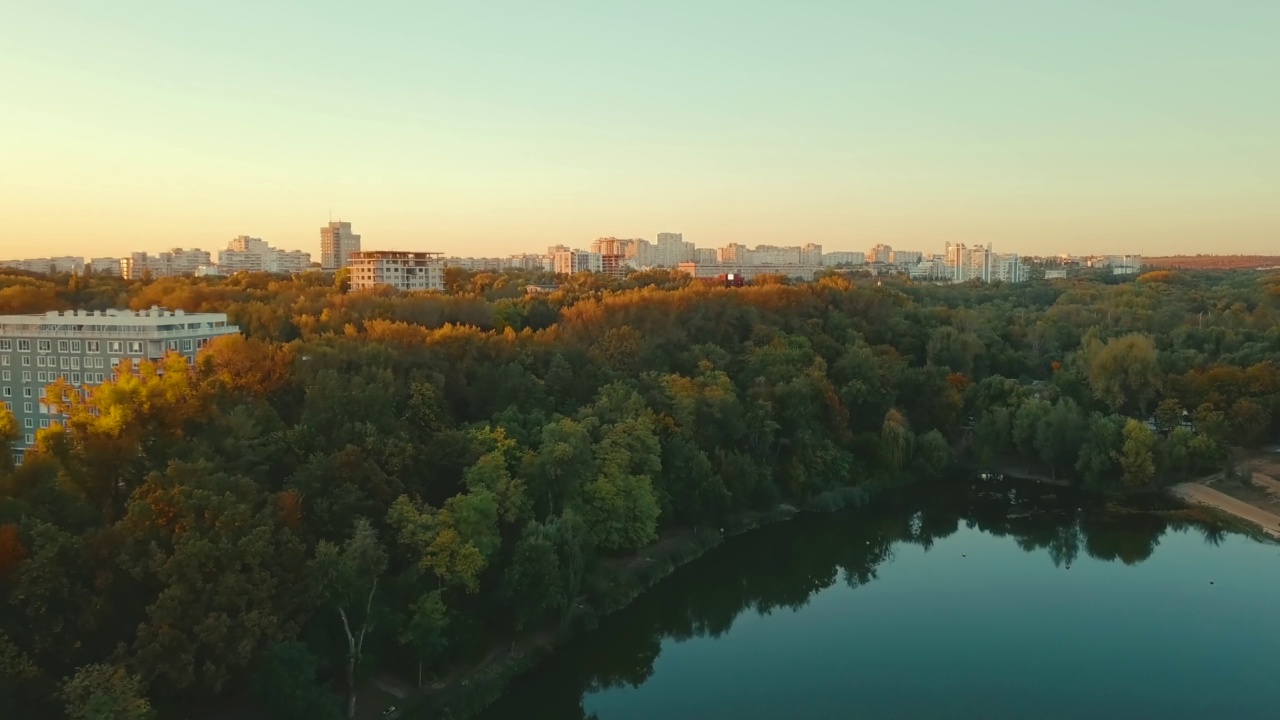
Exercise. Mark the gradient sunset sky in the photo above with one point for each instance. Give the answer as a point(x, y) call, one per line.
point(496, 126)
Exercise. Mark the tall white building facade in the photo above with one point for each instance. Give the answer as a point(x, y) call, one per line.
point(408, 271)
point(337, 243)
point(575, 261)
point(672, 250)
point(84, 347)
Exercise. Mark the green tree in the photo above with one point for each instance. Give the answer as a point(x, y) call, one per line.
point(1211, 423)
point(287, 687)
point(1098, 462)
point(932, 453)
point(105, 692)
point(1168, 415)
point(621, 511)
point(347, 577)
point(1125, 372)
point(1250, 423)
point(1137, 456)
point(1059, 435)
point(992, 436)
point(954, 348)
point(425, 629)
point(533, 582)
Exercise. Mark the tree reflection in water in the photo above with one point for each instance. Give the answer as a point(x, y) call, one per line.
point(783, 566)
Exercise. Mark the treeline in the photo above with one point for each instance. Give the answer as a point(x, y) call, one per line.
point(378, 480)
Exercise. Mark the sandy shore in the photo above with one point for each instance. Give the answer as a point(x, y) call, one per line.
point(1202, 495)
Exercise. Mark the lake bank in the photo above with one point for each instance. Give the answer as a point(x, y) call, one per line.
point(1253, 496)
point(1003, 594)
point(619, 582)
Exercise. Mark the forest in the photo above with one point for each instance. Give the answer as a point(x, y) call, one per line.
point(381, 482)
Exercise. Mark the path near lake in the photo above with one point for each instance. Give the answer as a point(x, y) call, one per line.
point(1200, 494)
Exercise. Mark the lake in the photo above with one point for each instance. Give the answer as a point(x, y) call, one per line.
point(971, 599)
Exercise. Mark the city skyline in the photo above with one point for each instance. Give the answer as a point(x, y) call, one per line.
point(1042, 128)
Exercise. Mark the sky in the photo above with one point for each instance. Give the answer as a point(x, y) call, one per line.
point(500, 126)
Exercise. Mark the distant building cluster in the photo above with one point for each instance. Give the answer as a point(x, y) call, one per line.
point(340, 248)
point(243, 253)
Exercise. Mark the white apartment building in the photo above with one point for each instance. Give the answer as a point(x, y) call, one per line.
point(250, 254)
point(1119, 264)
point(104, 266)
point(526, 261)
point(170, 263)
point(408, 271)
point(83, 347)
point(705, 256)
point(811, 254)
point(47, 266)
point(569, 262)
point(337, 243)
point(1008, 267)
point(844, 258)
point(672, 250)
point(904, 258)
point(773, 255)
point(880, 254)
point(477, 264)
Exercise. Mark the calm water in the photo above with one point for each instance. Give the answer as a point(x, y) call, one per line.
point(982, 601)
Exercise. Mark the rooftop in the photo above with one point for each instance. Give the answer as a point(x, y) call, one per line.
point(155, 318)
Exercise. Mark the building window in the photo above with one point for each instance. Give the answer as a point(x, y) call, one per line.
point(171, 345)
point(26, 361)
point(40, 376)
point(31, 439)
point(75, 363)
point(63, 346)
point(26, 407)
point(44, 423)
point(26, 392)
point(4, 376)
point(186, 345)
point(92, 346)
point(6, 344)
point(64, 362)
point(115, 362)
point(41, 393)
point(97, 362)
point(29, 424)
point(115, 347)
point(75, 378)
point(17, 459)
point(7, 392)
point(135, 347)
point(40, 361)
point(26, 376)
point(4, 360)
point(75, 346)
point(24, 346)
point(44, 346)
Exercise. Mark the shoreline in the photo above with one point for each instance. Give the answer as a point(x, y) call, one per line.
point(1196, 493)
point(469, 691)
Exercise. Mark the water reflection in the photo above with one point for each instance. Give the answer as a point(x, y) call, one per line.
point(784, 566)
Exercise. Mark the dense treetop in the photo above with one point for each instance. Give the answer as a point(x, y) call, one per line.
point(378, 479)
